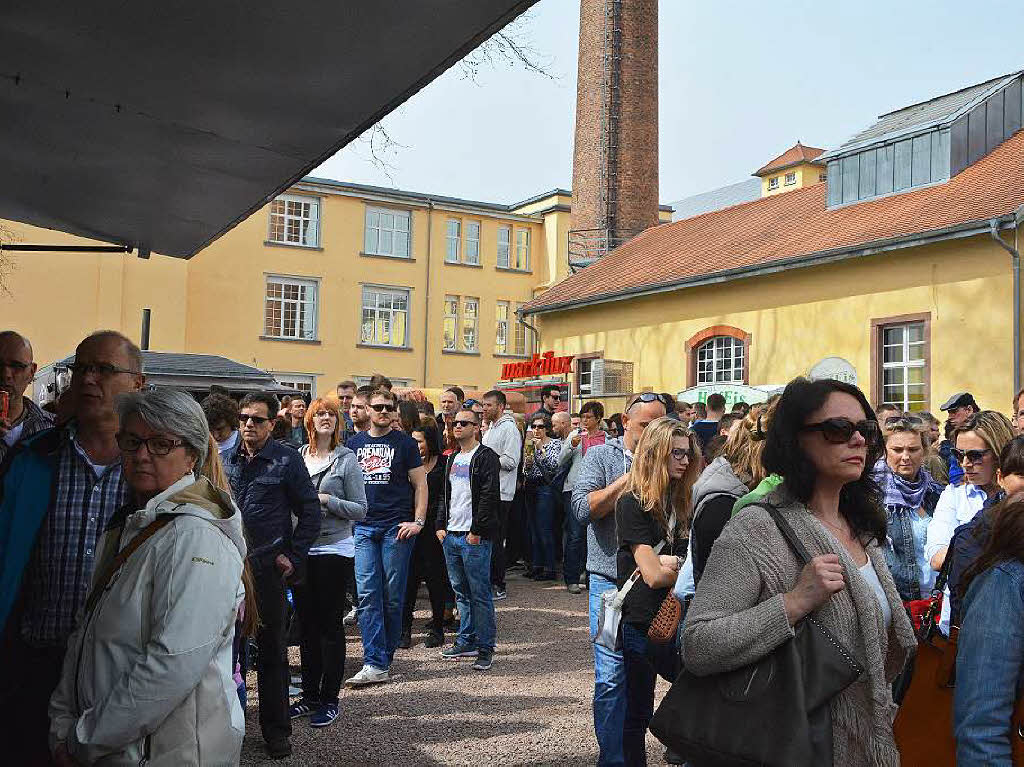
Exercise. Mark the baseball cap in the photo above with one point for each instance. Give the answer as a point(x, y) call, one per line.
point(960, 399)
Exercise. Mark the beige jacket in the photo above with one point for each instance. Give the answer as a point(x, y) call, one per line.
point(738, 616)
point(148, 674)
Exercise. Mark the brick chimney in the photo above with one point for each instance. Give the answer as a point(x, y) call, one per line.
point(615, 157)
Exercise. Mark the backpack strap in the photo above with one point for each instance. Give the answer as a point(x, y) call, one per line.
point(122, 556)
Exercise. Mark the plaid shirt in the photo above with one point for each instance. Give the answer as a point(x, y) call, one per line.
point(34, 419)
point(60, 570)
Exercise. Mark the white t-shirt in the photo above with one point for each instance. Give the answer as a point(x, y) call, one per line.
point(460, 509)
point(868, 571)
point(14, 434)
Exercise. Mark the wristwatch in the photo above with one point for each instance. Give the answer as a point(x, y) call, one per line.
point(420, 522)
point(679, 563)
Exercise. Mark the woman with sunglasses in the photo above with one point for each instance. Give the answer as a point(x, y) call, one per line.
point(978, 443)
point(652, 519)
point(909, 495)
point(823, 442)
point(541, 463)
point(320, 600)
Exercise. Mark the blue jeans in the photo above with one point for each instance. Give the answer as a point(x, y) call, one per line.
point(382, 566)
point(469, 570)
point(644, 662)
point(542, 526)
point(609, 685)
point(574, 538)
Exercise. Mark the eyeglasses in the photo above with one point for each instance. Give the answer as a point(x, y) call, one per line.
point(680, 453)
point(323, 414)
point(244, 418)
point(839, 430)
point(536, 426)
point(555, 396)
point(129, 443)
point(464, 423)
point(102, 369)
point(384, 408)
point(974, 456)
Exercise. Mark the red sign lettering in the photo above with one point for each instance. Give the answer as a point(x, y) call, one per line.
point(546, 364)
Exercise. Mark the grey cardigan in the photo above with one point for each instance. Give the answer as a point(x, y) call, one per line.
point(602, 465)
point(738, 616)
point(342, 482)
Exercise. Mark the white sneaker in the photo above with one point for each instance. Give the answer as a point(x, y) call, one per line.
point(368, 675)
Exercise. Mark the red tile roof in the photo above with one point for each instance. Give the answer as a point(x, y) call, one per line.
point(792, 156)
point(793, 227)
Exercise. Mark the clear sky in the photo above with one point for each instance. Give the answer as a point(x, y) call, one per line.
point(739, 83)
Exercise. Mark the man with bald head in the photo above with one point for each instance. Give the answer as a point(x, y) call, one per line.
point(58, 490)
point(17, 369)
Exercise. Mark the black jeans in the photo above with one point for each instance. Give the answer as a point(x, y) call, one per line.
point(272, 659)
point(644, 662)
point(428, 565)
point(30, 675)
point(321, 603)
point(498, 558)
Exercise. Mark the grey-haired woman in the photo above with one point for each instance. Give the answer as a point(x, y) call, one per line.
point(148, 677)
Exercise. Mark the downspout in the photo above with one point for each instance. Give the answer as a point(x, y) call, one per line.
point(1015, 263)
point(536, 333)
point(426, 310)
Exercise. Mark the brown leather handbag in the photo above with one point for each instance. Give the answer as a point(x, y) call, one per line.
point(924, 724)
point(665, 624)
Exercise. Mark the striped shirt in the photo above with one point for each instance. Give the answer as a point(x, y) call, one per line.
point(60, 570)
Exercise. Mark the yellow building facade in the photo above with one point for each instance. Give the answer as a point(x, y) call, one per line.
point(331, 281)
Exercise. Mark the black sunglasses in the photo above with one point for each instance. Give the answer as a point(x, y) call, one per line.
point(384, 408)
point(458, 422)
point(256, 419)
point(903, 420)
point(647, 396)
point(555, 395)
point(839, 430)
point(974, 456)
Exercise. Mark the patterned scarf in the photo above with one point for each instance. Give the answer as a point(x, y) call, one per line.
point(904, 492)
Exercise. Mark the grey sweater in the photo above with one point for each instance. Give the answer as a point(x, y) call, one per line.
point(571, 457)
point(503, 438)
point(602, 465)
point(738, 616)
point(342, 482)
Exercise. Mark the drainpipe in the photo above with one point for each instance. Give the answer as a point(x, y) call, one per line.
point(536, 333)
point(426, 310)
point(1015, 263)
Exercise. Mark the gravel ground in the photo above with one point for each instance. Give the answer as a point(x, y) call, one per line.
point(532, 708)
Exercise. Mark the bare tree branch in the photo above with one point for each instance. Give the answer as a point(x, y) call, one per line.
point(6, 261)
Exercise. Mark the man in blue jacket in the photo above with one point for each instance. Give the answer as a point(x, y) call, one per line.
point(270, 483)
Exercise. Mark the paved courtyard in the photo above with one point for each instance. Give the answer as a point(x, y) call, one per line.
point(532, 708)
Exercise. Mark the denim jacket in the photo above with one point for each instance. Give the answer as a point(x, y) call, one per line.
point(905, 551)
point(989, 662)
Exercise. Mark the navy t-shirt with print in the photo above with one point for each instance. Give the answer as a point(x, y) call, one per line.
point(386, 462)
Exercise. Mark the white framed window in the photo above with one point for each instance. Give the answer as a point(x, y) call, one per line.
point(470, 323)
point(523, 336)
point(451, 322)
point(504, 245)
point(720, 360)
point(584, 376)
point(773, 182)
point(398, 383)
point(501, 327)
point(387, 232)
point(300, 382)
point(790, 179)
point(522, 259)
point(453, 241)
point(295, 220)
point(472, 242)
point(290, 308)
point(823, 177)
point(385, 316)
point(904, 365)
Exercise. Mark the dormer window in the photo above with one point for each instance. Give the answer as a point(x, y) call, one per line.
point(773, 182)
point(790, 179)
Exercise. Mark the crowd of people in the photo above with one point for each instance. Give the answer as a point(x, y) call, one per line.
point(155, 548)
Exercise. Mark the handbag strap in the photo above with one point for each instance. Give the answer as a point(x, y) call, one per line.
point(928, 625)
point(787, 532)
point(122, 556)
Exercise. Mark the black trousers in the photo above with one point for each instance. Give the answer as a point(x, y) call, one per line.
point(272, 659)
point(321, 602)
point(498, 558)
point(30, 675)
point(427, 564)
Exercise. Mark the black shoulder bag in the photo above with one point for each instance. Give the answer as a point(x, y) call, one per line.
point(771, 713)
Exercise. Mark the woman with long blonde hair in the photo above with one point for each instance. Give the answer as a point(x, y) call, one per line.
point(652, 518)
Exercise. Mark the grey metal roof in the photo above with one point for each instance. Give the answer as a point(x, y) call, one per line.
point(717, 199)
point(921, 116)
point(174, 363)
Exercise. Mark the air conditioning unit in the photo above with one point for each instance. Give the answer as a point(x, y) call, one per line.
point(610, 377)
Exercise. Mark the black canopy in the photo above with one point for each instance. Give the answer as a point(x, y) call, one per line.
point(163, 124)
